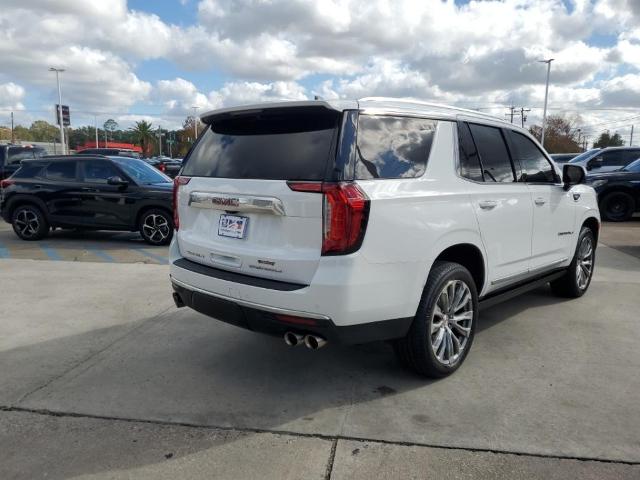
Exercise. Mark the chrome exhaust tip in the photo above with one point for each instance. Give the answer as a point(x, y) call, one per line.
point(314, 342)
point(293, 339)
point(177, 299)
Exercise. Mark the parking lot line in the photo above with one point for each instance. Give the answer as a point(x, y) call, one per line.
point(101, 254)
point(4, 251)
point(156, 257)
point(51, 252)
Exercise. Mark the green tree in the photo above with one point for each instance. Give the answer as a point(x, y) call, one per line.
point(110, 126)
point(560, 134)
point(607, 140)
point(143, 135)
point(42, 131)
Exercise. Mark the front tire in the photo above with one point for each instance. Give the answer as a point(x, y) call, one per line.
point(617, 207)
point(156, 227)
point(444, 326)
point(576, 281)
point(29, 223)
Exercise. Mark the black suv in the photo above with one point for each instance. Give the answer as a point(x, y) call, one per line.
point(12, 155)
point(90, 192)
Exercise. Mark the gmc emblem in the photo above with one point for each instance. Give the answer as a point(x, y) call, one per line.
point(225, 202)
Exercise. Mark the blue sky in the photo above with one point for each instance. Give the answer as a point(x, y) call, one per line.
point(155, 59)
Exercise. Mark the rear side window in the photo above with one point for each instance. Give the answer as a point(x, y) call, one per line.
point(613, 158)
point(496, 164)
point(469, 159)
point(98, 171)
point(272, 144)
point(630, 156)
point(535, 167)
point(28, 170)
point(393, 147)
point(61, 171)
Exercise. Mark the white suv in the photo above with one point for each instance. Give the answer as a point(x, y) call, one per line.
point(376, 219)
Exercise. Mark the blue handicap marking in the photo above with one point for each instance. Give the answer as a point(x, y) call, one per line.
point(51, 252)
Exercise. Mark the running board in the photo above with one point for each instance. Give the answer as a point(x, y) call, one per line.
point(518, 289)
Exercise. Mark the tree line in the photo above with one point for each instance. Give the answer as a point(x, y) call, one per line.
point(143, 133)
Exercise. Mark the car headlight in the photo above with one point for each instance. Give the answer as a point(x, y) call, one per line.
point(598, 183)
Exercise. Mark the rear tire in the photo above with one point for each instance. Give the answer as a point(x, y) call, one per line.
point(29, 223)
point(156, 227)
point(444, 326)
point(575, 282)
point(617, 207)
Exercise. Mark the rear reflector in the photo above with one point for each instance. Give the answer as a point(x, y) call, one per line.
point(345, 214)
point(296, 320)
point(177, 182)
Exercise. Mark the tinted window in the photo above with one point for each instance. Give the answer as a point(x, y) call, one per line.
point(61, 171)
point(469, 159)
point(534, 165)
point(494, 155)
point(633, 167)
point(98, 171)
point(613, 158)
point(393, 147)
point(631, 155)
point(288, 144)
point(28, 170)
point(16, 155)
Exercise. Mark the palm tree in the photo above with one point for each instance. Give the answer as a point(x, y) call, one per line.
point(143, 134)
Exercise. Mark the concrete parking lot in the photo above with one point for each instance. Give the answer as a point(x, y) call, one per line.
point(102, 377)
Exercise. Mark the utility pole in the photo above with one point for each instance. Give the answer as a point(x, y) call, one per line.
point(95, 121)
point(630, 141)
point(195, 123)
point(59, 112)
point(512, 108)
point(13, 138)
point(159, 135)
point(523, 117)
point(546, 97)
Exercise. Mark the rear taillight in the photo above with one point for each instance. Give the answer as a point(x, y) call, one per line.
point(177, 182)
point(162, 167)
point(6, 183)
point(345, 214)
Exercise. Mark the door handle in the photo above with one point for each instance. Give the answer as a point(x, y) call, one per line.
point(488, 204)
point(540, 201)
point(93, 190)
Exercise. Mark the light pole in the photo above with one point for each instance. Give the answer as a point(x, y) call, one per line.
point(195, 123)
point(159, 135)
point(59, 112)
point(546, 96)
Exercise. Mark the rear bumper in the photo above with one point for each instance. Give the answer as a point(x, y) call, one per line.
point(276, 321)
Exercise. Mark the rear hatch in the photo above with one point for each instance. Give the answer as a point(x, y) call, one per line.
point(237, 211)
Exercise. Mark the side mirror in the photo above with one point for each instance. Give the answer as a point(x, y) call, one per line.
point(572, 175)
point(118, 181)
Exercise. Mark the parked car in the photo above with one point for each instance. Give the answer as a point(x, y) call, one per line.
point(618, 192)
point(608, 159)
point(563, 157)
point(116, 193)
point(352, 222)
point(11, 156)
point(168, 166)
point(118, 152)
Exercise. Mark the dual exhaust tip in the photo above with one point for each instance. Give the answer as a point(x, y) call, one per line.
point(312, 342)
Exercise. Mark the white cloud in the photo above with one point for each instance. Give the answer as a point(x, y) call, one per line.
point(11, 96)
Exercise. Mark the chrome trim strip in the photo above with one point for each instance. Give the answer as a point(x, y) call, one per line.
point(521, 275)
point(237, 203)
point(246, 303)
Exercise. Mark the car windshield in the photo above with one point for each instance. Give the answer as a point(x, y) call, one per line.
point(633, 166)
point(140, 171)
point(585, 156)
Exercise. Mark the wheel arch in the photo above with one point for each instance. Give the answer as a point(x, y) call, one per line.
point(151, 206)
point(594, 224)
point(469, 256)
point(19, 200)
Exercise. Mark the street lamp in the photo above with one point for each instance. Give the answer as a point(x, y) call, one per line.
point(64, 144)
point(546, 96)
point(195, 123)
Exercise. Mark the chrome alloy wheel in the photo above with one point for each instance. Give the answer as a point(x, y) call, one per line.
point(451, 322)
point(156, 228)
point(584, 263)
point(27, 223)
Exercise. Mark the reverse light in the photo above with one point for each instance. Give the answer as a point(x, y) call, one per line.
point(345, 214)
point(177, 183)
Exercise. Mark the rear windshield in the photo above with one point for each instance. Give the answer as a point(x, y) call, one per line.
point(288, 144)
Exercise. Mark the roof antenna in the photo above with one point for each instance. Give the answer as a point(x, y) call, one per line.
point(317, 97)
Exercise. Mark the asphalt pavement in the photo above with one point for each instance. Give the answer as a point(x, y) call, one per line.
point(102, 377)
